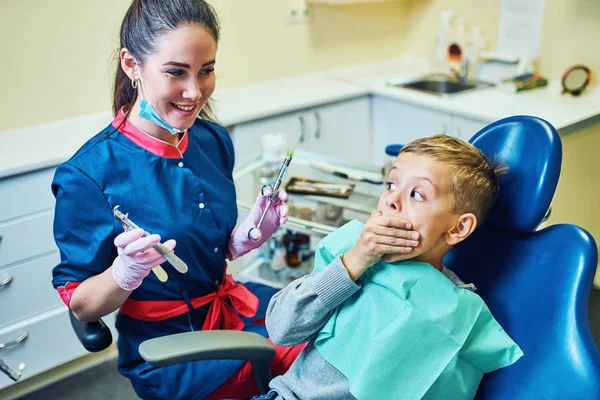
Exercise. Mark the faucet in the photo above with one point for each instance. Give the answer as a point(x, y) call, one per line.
point(462, 75)
point(12, 374)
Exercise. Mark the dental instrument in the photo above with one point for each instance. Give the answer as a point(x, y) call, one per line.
point(347, 173)
point(175, 261)
point(255, 234)
point(11, 373)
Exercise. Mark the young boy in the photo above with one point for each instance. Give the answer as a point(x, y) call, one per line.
point(438, 191)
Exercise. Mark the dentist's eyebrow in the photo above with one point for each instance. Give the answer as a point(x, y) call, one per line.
point(183, 65)
point(177, 64)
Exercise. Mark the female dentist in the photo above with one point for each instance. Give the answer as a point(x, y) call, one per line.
point(165, 163)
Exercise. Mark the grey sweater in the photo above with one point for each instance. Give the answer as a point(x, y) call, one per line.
point(295, 315)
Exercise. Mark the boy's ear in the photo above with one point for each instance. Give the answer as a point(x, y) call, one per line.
point(465, 225)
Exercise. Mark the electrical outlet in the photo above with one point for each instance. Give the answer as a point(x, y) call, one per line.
point(297, 14)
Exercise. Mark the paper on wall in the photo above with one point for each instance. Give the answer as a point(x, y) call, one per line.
point(520, 27)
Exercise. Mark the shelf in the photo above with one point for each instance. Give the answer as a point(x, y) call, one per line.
point(260, 271)
point(359, 206)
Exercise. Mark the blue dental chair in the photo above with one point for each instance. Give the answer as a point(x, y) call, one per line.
point(536, 282)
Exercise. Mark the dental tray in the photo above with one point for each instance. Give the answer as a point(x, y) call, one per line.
point(319, 188)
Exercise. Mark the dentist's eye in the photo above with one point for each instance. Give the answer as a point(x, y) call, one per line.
point(174, 72)
point(390, 186)
point(207, 71)
point(417, 195)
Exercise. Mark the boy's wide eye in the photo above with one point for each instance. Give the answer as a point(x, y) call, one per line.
point(417, 195)
point(391, 186)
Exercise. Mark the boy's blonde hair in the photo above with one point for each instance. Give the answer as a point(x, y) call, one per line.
point(474, 177)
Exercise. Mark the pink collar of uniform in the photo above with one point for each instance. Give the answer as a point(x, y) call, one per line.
point(149, 142)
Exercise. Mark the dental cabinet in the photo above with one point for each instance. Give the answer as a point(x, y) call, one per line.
point(357, 129)
point(399, 122)
point(34, 323)
point(339, 129)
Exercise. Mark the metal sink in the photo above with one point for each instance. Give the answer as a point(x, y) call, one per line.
point(440, 84)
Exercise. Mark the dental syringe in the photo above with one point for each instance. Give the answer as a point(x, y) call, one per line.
point(255, 234)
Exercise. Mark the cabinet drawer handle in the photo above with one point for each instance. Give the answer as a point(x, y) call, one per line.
point(302, 128)
point(318, 118)
point(15, 342)
point(6, 281)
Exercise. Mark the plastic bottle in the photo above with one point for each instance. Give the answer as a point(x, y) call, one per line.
point(456, 44)
point(278, 259)
point(273, 153)
point(477, 38)
point(445, 32)
point(460, 28)
point(475, 44)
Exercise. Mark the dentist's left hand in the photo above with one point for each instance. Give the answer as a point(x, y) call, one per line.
point(276, 216)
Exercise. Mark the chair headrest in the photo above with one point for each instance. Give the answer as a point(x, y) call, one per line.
point(532, 150)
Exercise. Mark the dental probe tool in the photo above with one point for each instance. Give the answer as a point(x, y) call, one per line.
point(255, 234)
point(158, 271)
point(175, 261)
point(11, 373)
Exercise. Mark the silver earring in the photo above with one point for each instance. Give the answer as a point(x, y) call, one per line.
point(134, 84)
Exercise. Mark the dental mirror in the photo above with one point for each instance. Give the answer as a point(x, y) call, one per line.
point(575, 79)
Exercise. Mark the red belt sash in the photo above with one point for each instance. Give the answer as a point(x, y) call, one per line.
point(220, 314)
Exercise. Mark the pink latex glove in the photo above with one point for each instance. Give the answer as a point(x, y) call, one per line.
point(277, 215)
point(136, 257)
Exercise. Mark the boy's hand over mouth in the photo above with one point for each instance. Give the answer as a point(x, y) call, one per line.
point(382, 237)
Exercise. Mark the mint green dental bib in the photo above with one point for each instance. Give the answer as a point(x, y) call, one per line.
point(409, 333)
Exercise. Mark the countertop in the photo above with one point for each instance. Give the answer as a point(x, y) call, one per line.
point(41, 146)
point(485, 105)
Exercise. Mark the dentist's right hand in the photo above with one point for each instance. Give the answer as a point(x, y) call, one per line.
point(382, 235)
point(136, 258)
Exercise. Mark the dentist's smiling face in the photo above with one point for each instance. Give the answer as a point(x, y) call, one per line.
point(178, 78)
point(419, 190)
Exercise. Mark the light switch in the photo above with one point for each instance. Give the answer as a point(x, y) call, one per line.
point(297, 13)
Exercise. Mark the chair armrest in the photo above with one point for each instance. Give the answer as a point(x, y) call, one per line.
point(212, 345)
point(94, 336)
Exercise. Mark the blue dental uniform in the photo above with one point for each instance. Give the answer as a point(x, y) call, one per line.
point(184, 192)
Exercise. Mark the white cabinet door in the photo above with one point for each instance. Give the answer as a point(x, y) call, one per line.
point(28, 290)
point(26, 194)
point(464, 128)
point(26, 237)
point(395, 122)
point(247, 136)
point(50, 342)
point(341, 130)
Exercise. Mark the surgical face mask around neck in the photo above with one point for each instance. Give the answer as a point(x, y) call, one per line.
point(148, 112)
